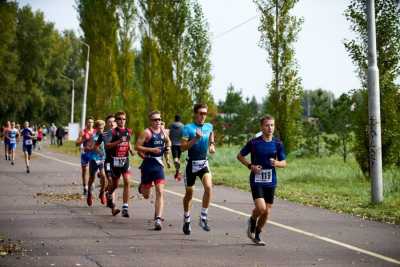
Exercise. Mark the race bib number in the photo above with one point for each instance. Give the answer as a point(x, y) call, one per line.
point(108, 166)
point(13, 141)
point(198, 165)
point(99, 162)
point(28, 142)
point(265, 176)
point(119, 161)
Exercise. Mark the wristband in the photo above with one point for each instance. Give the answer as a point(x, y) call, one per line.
point(212, 143)
point(249, 166)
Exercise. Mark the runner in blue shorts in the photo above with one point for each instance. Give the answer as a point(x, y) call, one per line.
point(27, 136)
point(12, 136)
point(152, 143)
point(7, 126)
point(82, 141)
point(96, 153)
point(267, 153)
point(198, 139)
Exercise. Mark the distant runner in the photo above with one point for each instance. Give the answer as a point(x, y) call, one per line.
point(82, 141)
point(267, 153)
point(7, 126)
point(175, 134)
point(12, 135)
point(27, 136)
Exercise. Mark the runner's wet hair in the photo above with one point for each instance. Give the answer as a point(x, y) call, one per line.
point(110, 116)
point(199, 106)
point(154, 112)
point(120, 113)
point(99, 123)
point(266, 118)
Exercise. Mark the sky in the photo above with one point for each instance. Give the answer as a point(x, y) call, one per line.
point(236, 57)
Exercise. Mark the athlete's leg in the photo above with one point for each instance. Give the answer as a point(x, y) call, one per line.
point(207, 184)
point(159, 204)
point(84, 176)
point(263, 217)
point(187, 199)
point(145, 190)
point(125, 196)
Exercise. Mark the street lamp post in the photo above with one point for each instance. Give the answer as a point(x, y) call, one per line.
point(374, 110)
point(83, 117)
point(72, 96)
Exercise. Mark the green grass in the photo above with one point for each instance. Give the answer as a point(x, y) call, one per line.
point(325, 182)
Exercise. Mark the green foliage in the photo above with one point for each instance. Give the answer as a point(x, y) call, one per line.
point(388, 47)
point(238, 119)
point(285, 89)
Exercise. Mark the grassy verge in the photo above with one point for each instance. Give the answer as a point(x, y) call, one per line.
point(322, 182)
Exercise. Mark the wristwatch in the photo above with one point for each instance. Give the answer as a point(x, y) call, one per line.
point(249, 166)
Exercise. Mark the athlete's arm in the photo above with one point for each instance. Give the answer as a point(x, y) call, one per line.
point(131, 151)
point(79, 141)
point(187, 144)
point(211, 148)
point(278, 163)
point(139, 146)
point(113, 144)
point(167, 149)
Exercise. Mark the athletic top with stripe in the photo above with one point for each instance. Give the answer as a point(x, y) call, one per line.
point(100, 154)
point(12, 135)
point(122, 149)
point(261, 152)
point(200, 149)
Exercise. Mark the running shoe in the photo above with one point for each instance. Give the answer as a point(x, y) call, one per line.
point(85, 191)
point(158, 223)
point(102, 198)
point(114, 212)
point(204, 224)
point(12, 162)
point(187, 229)
point(89, 199)
point(257, 239)
point(251, 227)
point(27, 170)
point(178, 176)
point(110, 203)
point(125, 213)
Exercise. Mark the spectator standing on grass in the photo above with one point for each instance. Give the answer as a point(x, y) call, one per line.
point(60, 135)
point(53, 130)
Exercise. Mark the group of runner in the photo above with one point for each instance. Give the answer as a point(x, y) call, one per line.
point(31, 139)
point(106, 147)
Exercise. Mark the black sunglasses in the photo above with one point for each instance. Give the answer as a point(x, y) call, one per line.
point(156, 119)
point(119, 119)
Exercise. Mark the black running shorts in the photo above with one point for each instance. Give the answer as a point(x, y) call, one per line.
point(190, 177)
point(267, 193)
point(176, 152)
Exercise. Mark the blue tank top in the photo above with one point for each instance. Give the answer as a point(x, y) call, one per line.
point(26, 134)
point(200, 149)
point(156, 140)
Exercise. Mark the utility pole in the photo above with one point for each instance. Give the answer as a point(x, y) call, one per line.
point(83, 117)
point(277, 46)
point(374, 113)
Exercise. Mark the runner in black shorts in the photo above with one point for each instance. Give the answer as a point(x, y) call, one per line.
point(175, 134)
point(120, 148)
point(107, 135)
point(267, 153)
point(198, 139)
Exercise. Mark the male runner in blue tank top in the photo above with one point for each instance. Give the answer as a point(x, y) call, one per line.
point(198, 139)
point(152, 143)
point(7, 126)
point(267, 153)
point(27, 136)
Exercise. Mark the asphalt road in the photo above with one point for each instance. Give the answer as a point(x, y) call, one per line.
point(42, 215)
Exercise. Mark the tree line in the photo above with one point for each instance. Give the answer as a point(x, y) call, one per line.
point(151, 54)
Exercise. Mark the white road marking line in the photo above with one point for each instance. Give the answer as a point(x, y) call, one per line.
point(289, 228)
